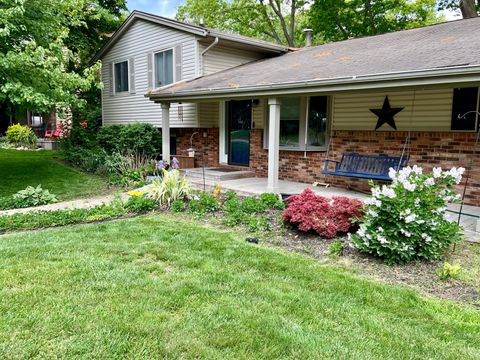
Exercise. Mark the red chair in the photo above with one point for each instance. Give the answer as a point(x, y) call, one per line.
point(57, 133)
point(48, 133)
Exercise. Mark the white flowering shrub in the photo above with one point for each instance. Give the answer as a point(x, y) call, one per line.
point(407, 219)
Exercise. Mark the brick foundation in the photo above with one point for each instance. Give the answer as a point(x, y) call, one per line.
point(208, 145)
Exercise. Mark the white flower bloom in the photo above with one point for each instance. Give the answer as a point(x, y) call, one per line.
point(407, 248)
point(426, 237)
point(376, 192)
point(417, 169)
point(406, 233)
point(388, 192)
point(439, 210)
point(372, 213)
point(382, 240)
point(420, 222)
point(417, 201)
point(410, 218)
point(437, 172)
point(361, 232)
point(373, 201)
point(392, 173)
point(380, 229)
point(429, 182)
point(409, 186)
point(434, 223)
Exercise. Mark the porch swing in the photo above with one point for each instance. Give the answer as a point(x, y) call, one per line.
point(374, 167)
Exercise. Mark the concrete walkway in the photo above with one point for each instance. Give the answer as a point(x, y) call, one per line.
point(72, 204)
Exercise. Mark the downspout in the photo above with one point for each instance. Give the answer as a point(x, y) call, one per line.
point(212, 45)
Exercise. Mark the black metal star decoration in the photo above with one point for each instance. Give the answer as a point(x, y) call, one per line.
point(386, 114)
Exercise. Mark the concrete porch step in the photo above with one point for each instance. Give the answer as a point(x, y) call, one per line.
point(217, 174)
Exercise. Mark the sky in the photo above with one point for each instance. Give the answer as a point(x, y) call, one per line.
point(169, 7)
point(160, 7)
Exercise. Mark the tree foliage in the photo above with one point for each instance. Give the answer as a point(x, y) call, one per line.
point(44, 45)
point(273, 20)
point(343, 19)
point(468, 8)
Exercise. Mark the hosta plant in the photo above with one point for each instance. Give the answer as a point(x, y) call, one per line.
point(407, 219)
point(328, 217)
point(34, 196)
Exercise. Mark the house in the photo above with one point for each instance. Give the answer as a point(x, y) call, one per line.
point(282, 114)
point(150, 51)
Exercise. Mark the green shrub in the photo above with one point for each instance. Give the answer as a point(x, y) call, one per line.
point(89, 160)
point(10, 202)
point(140, 205)
point(21, 135)
point(203, 203)
point(178, 206)
point(335, 248)
point(44, 219)
point(448, 271)
point(172, 187)
point(272, 201)
point(137, 138)
point(407, 219)
point(34, 196)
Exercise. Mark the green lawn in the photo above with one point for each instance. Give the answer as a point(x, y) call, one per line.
point(20, 169)
point(155, 287)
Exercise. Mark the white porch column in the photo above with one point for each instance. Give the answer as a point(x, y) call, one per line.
point(273, 143)
point(166, 132)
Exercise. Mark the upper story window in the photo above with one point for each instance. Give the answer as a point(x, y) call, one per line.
point(164, 68)
point(465, 100)
point(121, 76)
point(303, 123)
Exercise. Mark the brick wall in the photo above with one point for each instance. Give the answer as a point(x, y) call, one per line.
point(428, 149)
point(208, 145)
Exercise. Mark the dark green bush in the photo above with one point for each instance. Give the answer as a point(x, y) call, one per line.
point(132, 138)
point(177, 206)
point(272, 201)
point(203, 203)
point(140, 205)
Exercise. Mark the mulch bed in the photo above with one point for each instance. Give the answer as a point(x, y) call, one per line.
point(419, 275)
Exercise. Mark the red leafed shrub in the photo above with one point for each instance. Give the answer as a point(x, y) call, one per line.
point(328, 217)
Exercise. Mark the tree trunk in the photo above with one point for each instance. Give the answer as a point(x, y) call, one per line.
point(468, 8)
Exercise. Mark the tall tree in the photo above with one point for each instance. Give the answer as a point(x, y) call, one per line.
point(343, 19)
point(273, 20)
point(468, 8)
point(44, 45)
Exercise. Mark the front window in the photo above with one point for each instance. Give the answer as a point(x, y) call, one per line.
point(290, 122)
point(164, 68)
point(317, 122)
point(303, 123)
point(121, 76)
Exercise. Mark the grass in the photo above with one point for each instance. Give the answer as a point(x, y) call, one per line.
point(20, 169)
point(156, 287)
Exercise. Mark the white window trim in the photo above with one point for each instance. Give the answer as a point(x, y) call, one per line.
point(115, 92)
point(154, 65)
point(303, 147)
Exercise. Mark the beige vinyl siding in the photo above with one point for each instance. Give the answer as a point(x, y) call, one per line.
point(208, 114)
point(222, 57)
point(424, 110)
point(141, 39)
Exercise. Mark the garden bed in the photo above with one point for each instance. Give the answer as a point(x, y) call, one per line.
point(420, 275)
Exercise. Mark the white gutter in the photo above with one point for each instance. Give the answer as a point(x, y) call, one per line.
point(466, 73)
point(211, 46)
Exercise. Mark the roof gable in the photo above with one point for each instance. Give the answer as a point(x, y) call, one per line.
point(189, 28)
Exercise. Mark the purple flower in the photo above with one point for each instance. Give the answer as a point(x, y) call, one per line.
point(175, 163)
point(160, 165)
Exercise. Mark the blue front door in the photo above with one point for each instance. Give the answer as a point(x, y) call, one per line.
point(239, 123)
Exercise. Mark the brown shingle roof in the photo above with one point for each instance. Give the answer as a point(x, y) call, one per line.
point(439, 46)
